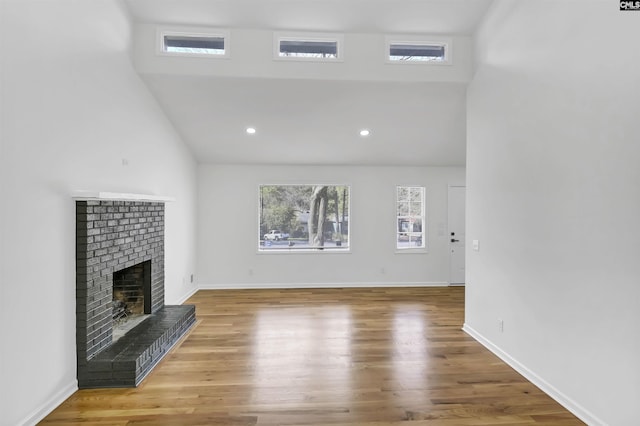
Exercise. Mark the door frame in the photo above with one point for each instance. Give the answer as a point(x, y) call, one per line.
point(449, 186)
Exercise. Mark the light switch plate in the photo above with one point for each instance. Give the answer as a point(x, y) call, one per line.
point(476, 245)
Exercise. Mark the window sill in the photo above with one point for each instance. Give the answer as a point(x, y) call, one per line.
point(412, 251)
point(303, 251)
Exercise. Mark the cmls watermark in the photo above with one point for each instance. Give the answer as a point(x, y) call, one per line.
point(629, 5)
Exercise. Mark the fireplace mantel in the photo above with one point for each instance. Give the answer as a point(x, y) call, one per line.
point(118, 196)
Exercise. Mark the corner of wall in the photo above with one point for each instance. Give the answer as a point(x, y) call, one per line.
point(49, 405)
point(578, 410)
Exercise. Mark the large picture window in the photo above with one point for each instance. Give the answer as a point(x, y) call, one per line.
point(304, 217)
point(410, 217)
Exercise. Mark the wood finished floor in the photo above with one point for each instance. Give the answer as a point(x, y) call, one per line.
point(380, 356)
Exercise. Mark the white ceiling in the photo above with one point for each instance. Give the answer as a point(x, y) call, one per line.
point(316, 121)
point(459, 17)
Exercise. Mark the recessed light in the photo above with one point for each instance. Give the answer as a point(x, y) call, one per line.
point(364, 132)
point(251, 130)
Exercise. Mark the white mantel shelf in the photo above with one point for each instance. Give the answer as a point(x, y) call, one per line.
point(117, 196)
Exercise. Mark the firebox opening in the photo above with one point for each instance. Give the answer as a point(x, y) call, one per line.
point(131, 297)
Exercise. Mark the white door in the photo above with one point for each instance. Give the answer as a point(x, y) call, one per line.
point(456, 234)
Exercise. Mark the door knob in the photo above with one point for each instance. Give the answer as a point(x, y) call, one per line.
point(454, 240)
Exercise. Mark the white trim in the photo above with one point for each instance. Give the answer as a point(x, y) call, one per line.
point(51, 404)
point(298, 285)
point(411, 250)
point(323, 251)
point(187, 296)
point(163, 31)
point(568, 403)
point(116, 196)
point(447, 42)
point(297, 36)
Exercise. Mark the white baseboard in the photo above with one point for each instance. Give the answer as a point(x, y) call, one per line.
point(50, 405)
point(256, 286)
point(188, 295)
point(545, 386)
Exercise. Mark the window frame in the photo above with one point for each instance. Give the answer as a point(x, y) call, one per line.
point(162, 32)
point(425, 236)
point(303, 250)
point(318, 37)
point(445, 42)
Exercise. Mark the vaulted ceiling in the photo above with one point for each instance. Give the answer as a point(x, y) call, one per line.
point(311, 113)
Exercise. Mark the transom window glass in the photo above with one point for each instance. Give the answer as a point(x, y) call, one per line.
point(308, 49)
point(414, 52)
point(416, 49)
point(410, 217)
point(194, 44)
point(322, 47)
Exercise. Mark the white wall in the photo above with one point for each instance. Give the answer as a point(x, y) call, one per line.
point(228, 228)
point(553, 171)
point(72, 109)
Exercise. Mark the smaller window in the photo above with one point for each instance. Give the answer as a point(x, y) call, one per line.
point(187, 44)
point(410, 215)
point(426, 51)
point(416, 52)
point(308, 47)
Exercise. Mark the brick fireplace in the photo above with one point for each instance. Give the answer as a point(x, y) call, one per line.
point(117, 243)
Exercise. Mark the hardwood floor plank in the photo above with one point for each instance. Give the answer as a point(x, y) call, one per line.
point(378, 356)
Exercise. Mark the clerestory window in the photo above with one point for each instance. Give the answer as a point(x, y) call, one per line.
point(418, 51)
point(194, 44)
point(315, 47)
